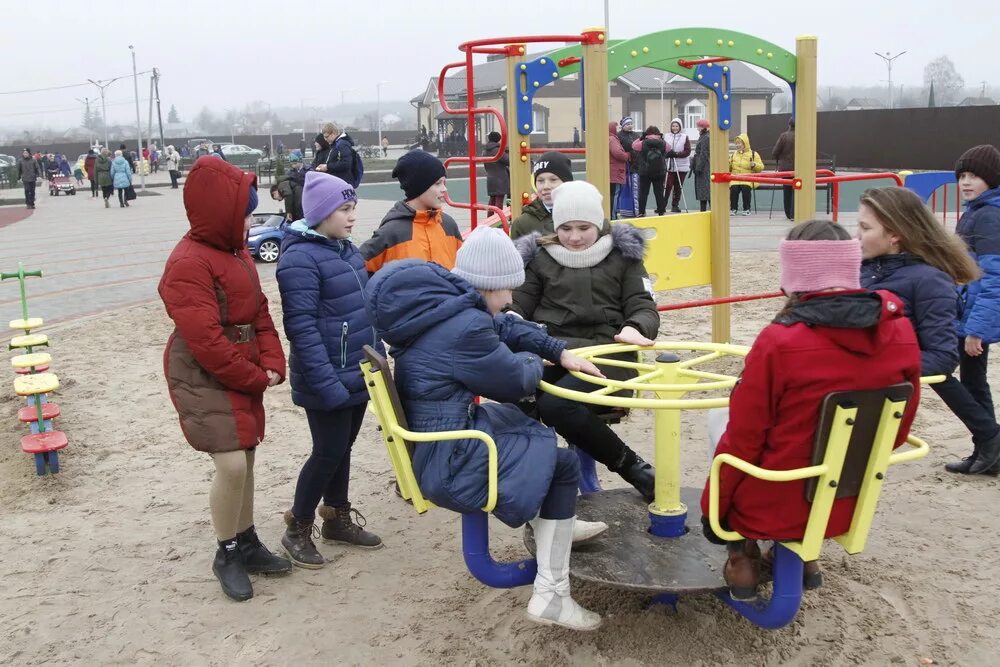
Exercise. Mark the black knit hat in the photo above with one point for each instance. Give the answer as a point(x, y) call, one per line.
point(556, 163)
point(416, 171)
point(983, 161)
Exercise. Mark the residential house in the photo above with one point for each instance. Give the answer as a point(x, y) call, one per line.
point(557, 106)
point(977, 102)
point(863, 103)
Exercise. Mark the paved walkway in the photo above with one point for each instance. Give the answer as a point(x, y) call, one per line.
point(95, 259)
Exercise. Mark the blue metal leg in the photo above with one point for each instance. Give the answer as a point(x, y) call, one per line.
point(476, 549)
point(588, 473)
point(666, 598)
point(40, 464)
point(781, 609)
point(53, 462)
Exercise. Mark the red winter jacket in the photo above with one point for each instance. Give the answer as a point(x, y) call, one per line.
point(618, 155)
point(209, 284)
point(774, 409)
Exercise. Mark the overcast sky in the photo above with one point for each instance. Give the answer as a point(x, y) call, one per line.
point(225, 53)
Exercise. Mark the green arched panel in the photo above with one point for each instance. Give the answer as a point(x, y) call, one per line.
point(662, 50)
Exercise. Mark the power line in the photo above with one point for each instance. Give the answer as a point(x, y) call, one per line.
point(71, 85)
point(76, 108)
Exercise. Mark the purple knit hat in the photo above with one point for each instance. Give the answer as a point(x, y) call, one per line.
point(811, 266)
point(323, 194)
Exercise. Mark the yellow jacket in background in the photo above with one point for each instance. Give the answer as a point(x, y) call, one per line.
point(739, 163)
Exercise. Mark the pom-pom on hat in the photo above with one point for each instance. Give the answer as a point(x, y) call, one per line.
point(488, 260)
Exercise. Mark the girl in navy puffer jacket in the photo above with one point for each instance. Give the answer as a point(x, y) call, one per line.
point(908, 252)
point(322, 276)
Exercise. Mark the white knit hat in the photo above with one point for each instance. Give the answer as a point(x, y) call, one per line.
point(577, 201)
point(489, 260)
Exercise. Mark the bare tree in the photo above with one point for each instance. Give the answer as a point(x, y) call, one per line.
point(948, 83)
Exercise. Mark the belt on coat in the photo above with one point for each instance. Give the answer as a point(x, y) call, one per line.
point(239, 333)
point(427, 409)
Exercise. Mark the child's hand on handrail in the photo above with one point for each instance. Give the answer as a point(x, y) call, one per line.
point(631, 336)
point(572, 362)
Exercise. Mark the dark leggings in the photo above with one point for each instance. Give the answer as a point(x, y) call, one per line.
point(675, 182)
point(93, 187)
point(326, 473)
point(734, 195)
point(121, 196)
point(578, 422)
point(496, 200)
point(645, 183)
point(560, 501)
point(971, 399)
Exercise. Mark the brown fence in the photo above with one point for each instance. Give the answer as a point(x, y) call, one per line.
point(890, 139)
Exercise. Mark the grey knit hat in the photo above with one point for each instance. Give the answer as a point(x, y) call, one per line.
point(489, 260)
point(577, 201)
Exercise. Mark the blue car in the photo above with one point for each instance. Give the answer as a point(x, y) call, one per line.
point(264, 239)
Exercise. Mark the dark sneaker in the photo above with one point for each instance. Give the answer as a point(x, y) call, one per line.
point(987, 456)
point(298, 544)
point(638, 473)
point(228, 567)
point(675, 209)
point(961, 467)
point(346, 525)
point(257, 558)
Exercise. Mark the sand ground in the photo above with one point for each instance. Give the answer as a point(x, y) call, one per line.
point(109, 561)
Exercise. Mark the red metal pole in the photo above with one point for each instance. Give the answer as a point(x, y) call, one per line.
point(934, 199)
point(470, 97)
point(836, 201)
point(713, 302)
point(701, 61)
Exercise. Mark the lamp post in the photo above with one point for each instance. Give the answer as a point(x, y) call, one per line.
point(104, 108)
point(888, 58)
point(378, 111)
point(138, 121)
point(662, 81)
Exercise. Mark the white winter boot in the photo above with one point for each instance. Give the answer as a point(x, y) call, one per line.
point(583, 531)
point(550, 603)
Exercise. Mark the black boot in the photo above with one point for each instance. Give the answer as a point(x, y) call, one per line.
point(298, 544)
point(987, 456)
point(339, 526)
point(257, 558)
point(962, 467)
point(636, 472)
point(232, 574)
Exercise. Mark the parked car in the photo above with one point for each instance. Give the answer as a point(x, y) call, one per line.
point(240, 150)
point(266, 232)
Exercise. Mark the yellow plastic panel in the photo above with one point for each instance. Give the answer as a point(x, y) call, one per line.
point(678, 249)
point(30, 323)
point(39, 383)
point(33, 359)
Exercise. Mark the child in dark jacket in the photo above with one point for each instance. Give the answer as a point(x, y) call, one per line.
point(551, 170)
point(588, 286)
point(978, 173)
point(416, 228)
point(450, 345)
point(321, 277)
point(831, 336)
point(907, 251)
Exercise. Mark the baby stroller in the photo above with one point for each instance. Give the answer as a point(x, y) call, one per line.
point(59, 183)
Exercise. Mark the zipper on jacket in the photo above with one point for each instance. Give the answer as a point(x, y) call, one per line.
point(362, 288)
point(343, 346)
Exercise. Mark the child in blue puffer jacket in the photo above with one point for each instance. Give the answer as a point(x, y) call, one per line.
point(907, 251)
point(450, 345)
point(322, 276)
point(978, 173)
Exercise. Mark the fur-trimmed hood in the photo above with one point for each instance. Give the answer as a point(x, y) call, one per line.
point(627, 239)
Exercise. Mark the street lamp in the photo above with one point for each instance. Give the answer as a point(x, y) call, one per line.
point(104, 108)
point(378, 111)
point(138, 121)
point(662, 81)
point(888, 58)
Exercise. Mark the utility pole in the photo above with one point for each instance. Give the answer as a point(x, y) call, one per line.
point(888, 58)
point(138, 120)
point(159, 116)
point(104, 108)
point(149, 122)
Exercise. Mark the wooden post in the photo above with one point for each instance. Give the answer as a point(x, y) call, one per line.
point(595, 102)
point(805, 127)
point(718, 138)
point(520, 167)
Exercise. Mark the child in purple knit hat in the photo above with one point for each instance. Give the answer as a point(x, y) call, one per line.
point(321, 276)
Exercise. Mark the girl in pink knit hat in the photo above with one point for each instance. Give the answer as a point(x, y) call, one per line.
point(830, 336)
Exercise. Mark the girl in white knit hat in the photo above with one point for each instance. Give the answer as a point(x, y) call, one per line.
point(587, 284)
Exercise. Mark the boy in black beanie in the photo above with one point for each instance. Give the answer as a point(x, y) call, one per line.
point(551, 170)
point(416, 227)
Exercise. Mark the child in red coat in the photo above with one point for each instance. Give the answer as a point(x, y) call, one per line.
point(831, 336)
point(223, 354)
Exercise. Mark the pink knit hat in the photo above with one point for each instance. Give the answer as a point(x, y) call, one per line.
point(811, 266)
